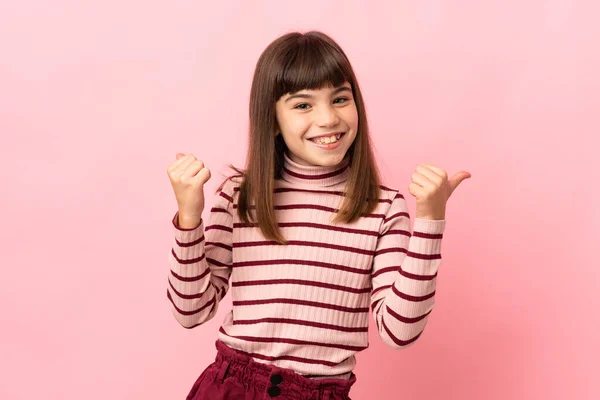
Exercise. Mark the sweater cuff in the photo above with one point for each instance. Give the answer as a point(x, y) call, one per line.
point(187, 235)
point(422, 243)
point(429, 226)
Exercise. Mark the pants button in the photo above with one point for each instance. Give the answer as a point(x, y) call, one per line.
point(276, 379)
point(274, 391)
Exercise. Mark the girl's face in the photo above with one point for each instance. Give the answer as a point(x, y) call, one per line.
point(325, 113)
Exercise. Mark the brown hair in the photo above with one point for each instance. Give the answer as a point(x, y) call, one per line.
point(291, 63)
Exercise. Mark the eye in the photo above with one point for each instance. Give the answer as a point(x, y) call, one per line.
point(345, 99)
point(300, 106)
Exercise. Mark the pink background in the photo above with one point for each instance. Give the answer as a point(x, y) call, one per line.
point(96, 100)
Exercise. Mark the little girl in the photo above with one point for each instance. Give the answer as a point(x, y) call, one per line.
point(306, 236)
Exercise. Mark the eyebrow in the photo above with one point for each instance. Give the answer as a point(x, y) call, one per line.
point(308, 96)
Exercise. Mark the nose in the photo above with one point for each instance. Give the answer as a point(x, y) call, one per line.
point(327, 117)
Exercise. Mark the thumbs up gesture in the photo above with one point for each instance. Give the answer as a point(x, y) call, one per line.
point(432, 188)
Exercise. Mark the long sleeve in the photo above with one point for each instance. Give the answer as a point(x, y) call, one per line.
point(200, 263)
point(404, 274)
point(305, 305)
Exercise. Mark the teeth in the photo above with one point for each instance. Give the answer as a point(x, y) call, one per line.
point(328, 140)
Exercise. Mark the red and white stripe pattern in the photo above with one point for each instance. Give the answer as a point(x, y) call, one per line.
point(305, 305)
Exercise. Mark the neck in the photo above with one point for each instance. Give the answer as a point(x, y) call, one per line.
point(315, 175)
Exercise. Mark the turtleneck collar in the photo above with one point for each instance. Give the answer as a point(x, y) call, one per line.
point(315, 175)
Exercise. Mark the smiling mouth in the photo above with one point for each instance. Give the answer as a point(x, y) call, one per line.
point(328, 139)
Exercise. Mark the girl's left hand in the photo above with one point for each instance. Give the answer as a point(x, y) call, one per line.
point(432, 189)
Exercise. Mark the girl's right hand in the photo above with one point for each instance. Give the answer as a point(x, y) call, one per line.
point(188, 176)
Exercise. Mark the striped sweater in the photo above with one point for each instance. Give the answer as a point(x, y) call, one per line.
point(305, 305)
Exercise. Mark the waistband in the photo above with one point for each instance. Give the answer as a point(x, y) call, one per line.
point(247, 369)
point(347, 375)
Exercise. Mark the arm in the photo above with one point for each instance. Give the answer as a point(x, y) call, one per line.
point(404, 275)
point(200, 263)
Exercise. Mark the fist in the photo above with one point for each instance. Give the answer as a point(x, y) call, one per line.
point(188, 176)
point(432, 189)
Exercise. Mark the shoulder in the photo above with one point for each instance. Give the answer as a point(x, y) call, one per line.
point(392, 202)
point(230, 186)
point(388, 194)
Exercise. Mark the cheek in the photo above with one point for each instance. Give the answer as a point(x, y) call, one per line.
point(297, 125)
point(352, 117)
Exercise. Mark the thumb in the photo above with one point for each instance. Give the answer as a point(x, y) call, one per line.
point(457, 179)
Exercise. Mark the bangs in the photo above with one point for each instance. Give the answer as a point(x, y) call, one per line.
point(312, 64)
